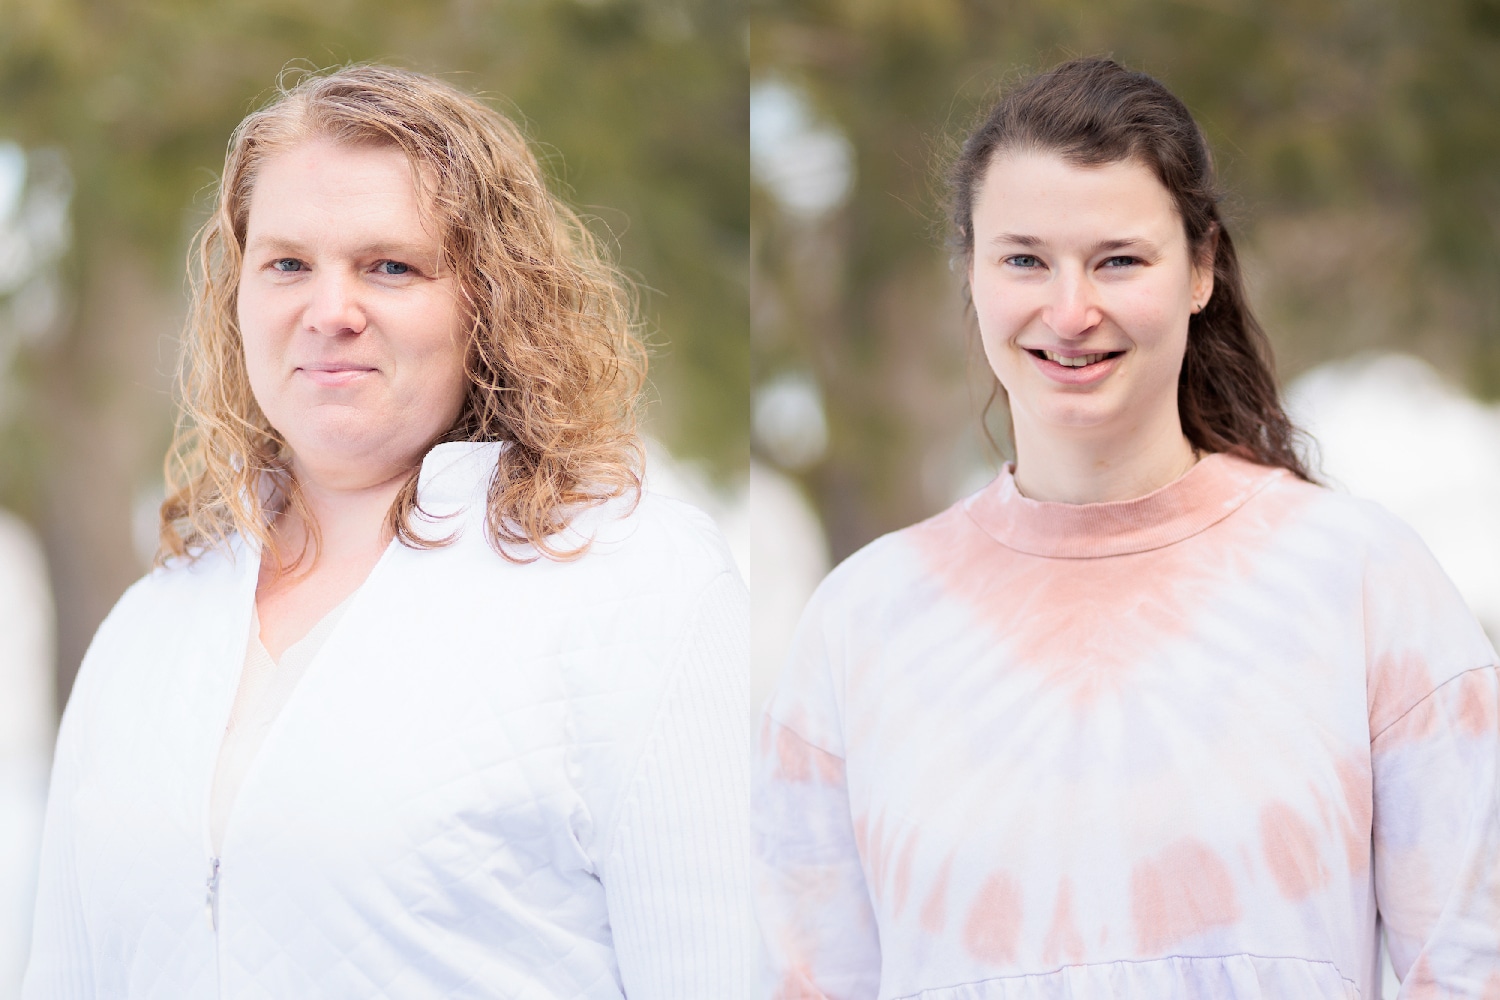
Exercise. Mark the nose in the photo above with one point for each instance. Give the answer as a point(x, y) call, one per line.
point(334, 305)
point(1072, 309)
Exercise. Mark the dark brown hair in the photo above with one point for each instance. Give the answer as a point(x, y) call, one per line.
point(1094, 111)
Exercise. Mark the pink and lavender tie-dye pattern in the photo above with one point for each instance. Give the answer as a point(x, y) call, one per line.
point(1189, 745)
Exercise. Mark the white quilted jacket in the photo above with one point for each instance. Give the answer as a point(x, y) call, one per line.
point(494, 781)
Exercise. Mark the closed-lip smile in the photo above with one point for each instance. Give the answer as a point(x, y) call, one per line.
point(334, 373)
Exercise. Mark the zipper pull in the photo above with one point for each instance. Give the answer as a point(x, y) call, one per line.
point(213, 894)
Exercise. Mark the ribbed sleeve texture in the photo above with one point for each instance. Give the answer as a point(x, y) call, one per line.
point(676, 876)
point(58, 934)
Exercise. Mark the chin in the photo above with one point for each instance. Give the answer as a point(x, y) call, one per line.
point(1079, 414)
point(344, 439)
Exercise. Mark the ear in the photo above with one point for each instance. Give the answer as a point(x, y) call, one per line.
point(1203, 271)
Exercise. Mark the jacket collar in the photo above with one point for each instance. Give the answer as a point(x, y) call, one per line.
point(458, 472)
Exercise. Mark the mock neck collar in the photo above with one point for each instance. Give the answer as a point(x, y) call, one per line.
point(1210, 491)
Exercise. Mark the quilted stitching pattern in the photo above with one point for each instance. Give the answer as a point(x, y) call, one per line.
point(429, 813)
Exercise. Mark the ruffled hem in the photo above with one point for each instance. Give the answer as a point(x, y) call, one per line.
point(1229, 977)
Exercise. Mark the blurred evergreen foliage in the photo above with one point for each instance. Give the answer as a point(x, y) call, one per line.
point(1359, 140)
point(638, 108)
point(638, 104)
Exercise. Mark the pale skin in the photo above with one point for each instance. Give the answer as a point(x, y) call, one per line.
point(1083, 283)
point(354, 343)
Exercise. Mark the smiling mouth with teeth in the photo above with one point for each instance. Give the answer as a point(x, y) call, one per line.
point(1078, 362)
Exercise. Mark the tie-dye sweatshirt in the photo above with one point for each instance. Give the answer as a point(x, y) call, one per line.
point(1200, 744)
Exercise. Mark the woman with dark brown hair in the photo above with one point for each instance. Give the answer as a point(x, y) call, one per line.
point(1152, 715)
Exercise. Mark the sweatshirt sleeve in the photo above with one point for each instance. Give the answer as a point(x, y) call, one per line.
point(811, 896)
point(1437, 840)
point(1435, 762)
point(60, 963)
point(676, 877)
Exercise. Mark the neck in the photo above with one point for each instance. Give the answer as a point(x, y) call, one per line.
point(352, 521)
point(1066, 468)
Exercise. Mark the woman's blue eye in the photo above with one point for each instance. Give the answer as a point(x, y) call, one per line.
point(1024, 260)
point(1122, 261)
point(392, 267)
point(287, 264)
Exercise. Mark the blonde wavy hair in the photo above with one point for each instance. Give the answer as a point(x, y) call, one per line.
point(553, 361)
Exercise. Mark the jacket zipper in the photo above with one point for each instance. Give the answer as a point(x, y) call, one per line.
point(211, 884)
point(212, 901)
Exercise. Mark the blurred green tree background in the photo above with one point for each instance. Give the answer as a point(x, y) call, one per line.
point(638, 107)
point(1359, 139)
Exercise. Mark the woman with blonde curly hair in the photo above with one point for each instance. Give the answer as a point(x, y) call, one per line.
point(425, 697)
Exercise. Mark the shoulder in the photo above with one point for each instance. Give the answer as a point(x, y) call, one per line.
point(628, 553)
point(158, 621)
point(895, 568)
point(1417, 629)
point(167, 590)
point(1343, 513)
point(1355, 527)
point(1283, 511)
point(854, 609)
point(1360, 539)
point(184, 597)
point(1402, 577)
point(651, 535)
point(666, 527)
point(905, 553)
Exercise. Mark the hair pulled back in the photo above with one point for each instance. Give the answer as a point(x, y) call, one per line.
point(1092, 112)
point(553, 363)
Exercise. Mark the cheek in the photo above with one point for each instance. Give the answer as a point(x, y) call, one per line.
point(440, 351)
point(1001, 318)
point(1170, 345)
point(1154, 317)
point(257, 339)
point(455, 384)
point(1163, 305)
point(1001, 358)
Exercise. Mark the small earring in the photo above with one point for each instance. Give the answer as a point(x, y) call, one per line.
point(1197, 308)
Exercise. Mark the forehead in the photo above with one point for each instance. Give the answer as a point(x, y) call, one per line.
point(335, 190)
point(1044, 195)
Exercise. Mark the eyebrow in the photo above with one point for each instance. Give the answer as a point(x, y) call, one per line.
point(1103, 246)
point(293, 248)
